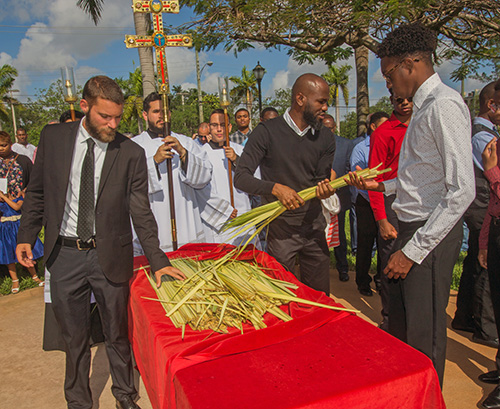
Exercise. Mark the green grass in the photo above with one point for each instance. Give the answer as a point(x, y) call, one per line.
point(351, 260)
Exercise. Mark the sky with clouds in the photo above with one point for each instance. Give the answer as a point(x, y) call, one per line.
point(41, 36)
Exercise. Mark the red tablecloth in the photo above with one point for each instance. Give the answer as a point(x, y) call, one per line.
point(320, 359)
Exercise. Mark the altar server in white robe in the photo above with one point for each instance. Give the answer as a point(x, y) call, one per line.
point(191, 170)
point(219, 155)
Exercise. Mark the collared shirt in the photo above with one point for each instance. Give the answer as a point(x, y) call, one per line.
point(385, 145)
point(26, 150)
point(481, 139)
point(70, 217)
point(435, 179)
point(493, 176)
point(359, 157)
point(288, 119)
point(239, 137)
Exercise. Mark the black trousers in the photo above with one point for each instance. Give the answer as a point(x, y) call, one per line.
point(494, 273)
point(367, 236)
point(417, 310)
point(385, 248)
point(474, 306)
point(341, 250)
point(308, 241)
point(74, 274)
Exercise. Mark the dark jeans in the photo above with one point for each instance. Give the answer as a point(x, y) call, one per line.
point(417, 310)
point(385, 249)
point(494, 274)
point(474, 306)
point(341, 250)
point(367, 235)
point(74, 274)
point(285, 242)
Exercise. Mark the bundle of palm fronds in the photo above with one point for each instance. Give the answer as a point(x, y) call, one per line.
point(261, 216)
point(225, 293)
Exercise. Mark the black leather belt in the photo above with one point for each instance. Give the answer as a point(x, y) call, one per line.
point(76, 243)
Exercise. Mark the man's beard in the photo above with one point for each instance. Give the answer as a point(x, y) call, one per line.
point(103, 134)
point(157, 130)
point(311, 119)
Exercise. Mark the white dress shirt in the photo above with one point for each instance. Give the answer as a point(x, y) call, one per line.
point(288, 119)
point(435, 178)
point(26, 150)
point(70, 217)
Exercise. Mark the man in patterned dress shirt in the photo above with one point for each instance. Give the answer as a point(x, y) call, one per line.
point(434, 187)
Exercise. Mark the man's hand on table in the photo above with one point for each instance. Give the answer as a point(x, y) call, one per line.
point(171, 271)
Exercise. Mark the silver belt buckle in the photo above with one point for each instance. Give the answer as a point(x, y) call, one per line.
point(90, 244)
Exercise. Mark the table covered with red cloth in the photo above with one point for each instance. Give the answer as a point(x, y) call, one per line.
point(320, 359)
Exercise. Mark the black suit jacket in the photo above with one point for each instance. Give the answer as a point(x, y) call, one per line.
point(122, 193)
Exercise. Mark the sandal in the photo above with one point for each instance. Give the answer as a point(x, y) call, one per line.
point(15, 290)
point(38, 281)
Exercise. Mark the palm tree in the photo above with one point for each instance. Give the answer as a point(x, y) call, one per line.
point(7, 76)
point(142, 26)
point(133, 91)
point(337, 79)
point(245, 88)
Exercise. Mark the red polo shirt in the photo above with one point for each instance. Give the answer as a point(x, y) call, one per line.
point(385, 144)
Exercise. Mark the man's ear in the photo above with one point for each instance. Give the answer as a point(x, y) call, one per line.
point(84, 105)
point(230, 127)
point(300, 99)
point(145, 115)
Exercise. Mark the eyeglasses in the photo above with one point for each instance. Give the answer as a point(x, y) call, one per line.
point(387, 75)
point(216, 125)
point(401, 100)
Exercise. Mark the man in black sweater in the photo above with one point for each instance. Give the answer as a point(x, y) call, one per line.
point(294, 152)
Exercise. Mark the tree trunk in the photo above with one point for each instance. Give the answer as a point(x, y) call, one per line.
point(249, 105)
point(362, 100)
point(337, 110)
point(141, 23)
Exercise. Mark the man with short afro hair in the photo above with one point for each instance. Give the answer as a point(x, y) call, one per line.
point(434, 187)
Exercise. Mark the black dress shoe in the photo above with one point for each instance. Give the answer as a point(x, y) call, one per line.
point(126, 403)
point(367, 291)
point(493, 399)
point(488, 342)
point(490, 377)
point(343, 276)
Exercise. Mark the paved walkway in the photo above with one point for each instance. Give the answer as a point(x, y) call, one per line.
point(33, 379)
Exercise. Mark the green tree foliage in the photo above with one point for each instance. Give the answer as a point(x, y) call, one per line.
point(7, 76)
point(48, 105)
point(333, 29)
point(245, 88)
point(132, 120)
point(281, 100)
point(337, 79)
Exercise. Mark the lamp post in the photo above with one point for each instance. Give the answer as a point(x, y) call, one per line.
point(198, 77)
point(69, 88)
point(13, 110)
point(259, 72)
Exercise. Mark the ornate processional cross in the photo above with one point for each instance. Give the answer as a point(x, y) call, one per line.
point(159, 41)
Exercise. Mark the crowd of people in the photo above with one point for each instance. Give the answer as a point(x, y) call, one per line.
point(103, 198)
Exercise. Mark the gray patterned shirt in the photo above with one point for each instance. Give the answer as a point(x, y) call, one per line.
point(435, 178)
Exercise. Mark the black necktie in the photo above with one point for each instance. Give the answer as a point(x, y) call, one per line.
point(86, 212)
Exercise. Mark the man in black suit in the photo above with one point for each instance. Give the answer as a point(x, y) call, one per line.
point(88, 182)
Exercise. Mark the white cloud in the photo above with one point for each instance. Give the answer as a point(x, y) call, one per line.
point(5, 59)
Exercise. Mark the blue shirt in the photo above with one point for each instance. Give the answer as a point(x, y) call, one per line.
point(480, 140)
point(359, 157)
